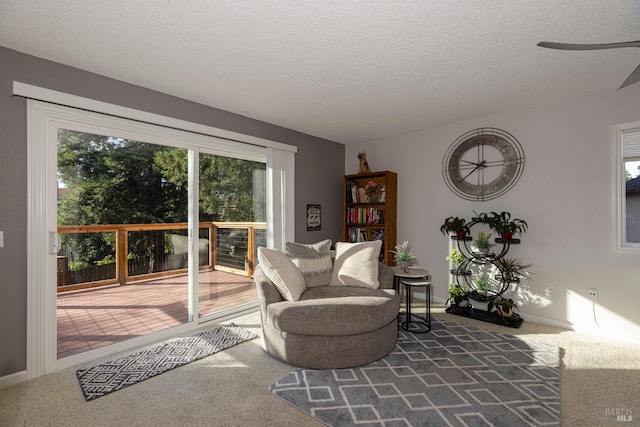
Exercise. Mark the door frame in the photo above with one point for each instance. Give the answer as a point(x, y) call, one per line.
point(280, 187)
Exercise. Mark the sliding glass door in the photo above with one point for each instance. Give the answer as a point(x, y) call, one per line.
point(232, 212)
point(137, 232)
point(122, 222)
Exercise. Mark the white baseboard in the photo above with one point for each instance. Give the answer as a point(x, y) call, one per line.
point(12, 379)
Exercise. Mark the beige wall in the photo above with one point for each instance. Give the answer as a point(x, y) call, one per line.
point(565, 194)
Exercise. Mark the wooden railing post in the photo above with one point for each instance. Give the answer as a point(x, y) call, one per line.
point(213, 257)
point(122, 267)
point(251, 244)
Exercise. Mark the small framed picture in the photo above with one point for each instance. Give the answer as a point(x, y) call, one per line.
point(313, 217)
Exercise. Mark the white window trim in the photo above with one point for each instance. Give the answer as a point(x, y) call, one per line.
point(619, 205)
point(61, 98)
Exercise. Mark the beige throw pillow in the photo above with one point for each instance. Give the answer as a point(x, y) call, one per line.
point(356, 264)
point(314, 261)
point(284, 274)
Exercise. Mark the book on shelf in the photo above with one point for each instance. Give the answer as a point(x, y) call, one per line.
point(365, 215)
point(357, 234)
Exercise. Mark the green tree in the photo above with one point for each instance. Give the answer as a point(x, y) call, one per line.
point(107, 180)
point(226, 184)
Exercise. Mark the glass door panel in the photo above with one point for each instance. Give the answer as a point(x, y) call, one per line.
point(122, 220)
point(232, 209)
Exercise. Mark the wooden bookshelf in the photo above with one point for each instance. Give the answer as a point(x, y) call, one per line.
point(369, 216)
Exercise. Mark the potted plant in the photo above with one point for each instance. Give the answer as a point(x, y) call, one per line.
point(404, 256)
point(454, 225)
point(479, 298)
point(483, 243)
point(457, 295)
point(511, 269)
point(482, 285)
point(504, 306)
point(504, 225)
point(456, 259)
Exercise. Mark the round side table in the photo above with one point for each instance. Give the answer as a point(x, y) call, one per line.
point(413, 273)
point(414, 323)
point(414, 278)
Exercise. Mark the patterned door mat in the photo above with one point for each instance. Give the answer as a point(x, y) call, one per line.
point(125, 371)
point(455, 375)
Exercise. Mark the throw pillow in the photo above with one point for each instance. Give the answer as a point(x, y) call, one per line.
point(356, 264)
point(284, 274)
point(314, 261)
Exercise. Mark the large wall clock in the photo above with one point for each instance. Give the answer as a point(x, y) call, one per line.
point(483, 164)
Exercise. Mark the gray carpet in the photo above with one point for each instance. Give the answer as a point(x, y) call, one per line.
point(455, 375)
point(128, 370)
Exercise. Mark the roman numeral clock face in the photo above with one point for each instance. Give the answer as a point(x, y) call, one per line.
point(483, 164)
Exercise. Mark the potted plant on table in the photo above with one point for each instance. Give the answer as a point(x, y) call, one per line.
point(454, 225)
point(504, 225)
point(404, 257)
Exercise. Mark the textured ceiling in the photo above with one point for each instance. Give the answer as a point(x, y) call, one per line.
point(348, 71)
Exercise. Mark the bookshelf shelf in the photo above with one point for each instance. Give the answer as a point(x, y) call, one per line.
point(370, 203)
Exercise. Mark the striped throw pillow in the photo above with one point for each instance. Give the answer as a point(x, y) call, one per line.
point(313, 260)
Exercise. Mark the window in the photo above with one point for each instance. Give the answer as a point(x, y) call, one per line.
point(627, 142)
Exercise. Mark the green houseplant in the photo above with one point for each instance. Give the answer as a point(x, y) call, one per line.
point(454, 225)
point(404, 256)
point(506, 226)
point(456, 295)
point(482, 285)
point(456, 259)
point(511, 269)
point(504, 306)
point(483, 243)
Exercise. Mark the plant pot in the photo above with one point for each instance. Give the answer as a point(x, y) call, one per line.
point(459, 301)
point(461, 234)
point(504, 313)
point(479, 304)
point(507, 236)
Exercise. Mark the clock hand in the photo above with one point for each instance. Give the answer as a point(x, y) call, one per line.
point(472, 171)
point(471, 163)
point(479, 165)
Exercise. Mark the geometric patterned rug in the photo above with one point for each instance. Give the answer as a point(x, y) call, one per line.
point(454, 375)
point(128, 370)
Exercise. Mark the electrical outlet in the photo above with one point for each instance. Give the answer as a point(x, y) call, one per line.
point(592, 294)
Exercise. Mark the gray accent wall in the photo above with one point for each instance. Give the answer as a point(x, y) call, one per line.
point(319, 171)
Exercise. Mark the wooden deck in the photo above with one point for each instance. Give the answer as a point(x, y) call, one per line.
point(97, 317)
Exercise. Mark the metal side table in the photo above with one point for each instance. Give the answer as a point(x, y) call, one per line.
point(413, 322)
point(415, 277)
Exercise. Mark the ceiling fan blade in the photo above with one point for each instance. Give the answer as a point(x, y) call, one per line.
point(634, 77)
point(573, 46)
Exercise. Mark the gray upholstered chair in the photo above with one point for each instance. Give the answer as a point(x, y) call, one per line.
point(330, 326)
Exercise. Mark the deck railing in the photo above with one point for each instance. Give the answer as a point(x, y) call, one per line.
point(162, 249)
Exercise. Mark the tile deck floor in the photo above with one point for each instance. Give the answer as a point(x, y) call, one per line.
point(93, 318)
